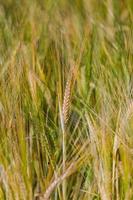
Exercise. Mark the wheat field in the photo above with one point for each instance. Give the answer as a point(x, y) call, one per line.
point(66, 100)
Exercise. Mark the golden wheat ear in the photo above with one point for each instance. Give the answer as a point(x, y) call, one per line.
point(67, 95)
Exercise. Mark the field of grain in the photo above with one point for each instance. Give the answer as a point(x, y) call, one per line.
point(66, 100)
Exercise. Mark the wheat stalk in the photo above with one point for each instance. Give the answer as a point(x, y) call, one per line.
point(57, 181)
point(65, 115)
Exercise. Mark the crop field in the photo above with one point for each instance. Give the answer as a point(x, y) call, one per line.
point(66, 99)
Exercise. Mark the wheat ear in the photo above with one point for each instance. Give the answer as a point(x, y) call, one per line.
point(67, 96)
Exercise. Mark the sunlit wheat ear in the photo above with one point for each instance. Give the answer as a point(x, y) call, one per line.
point(67, 95)
point(66, 101)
